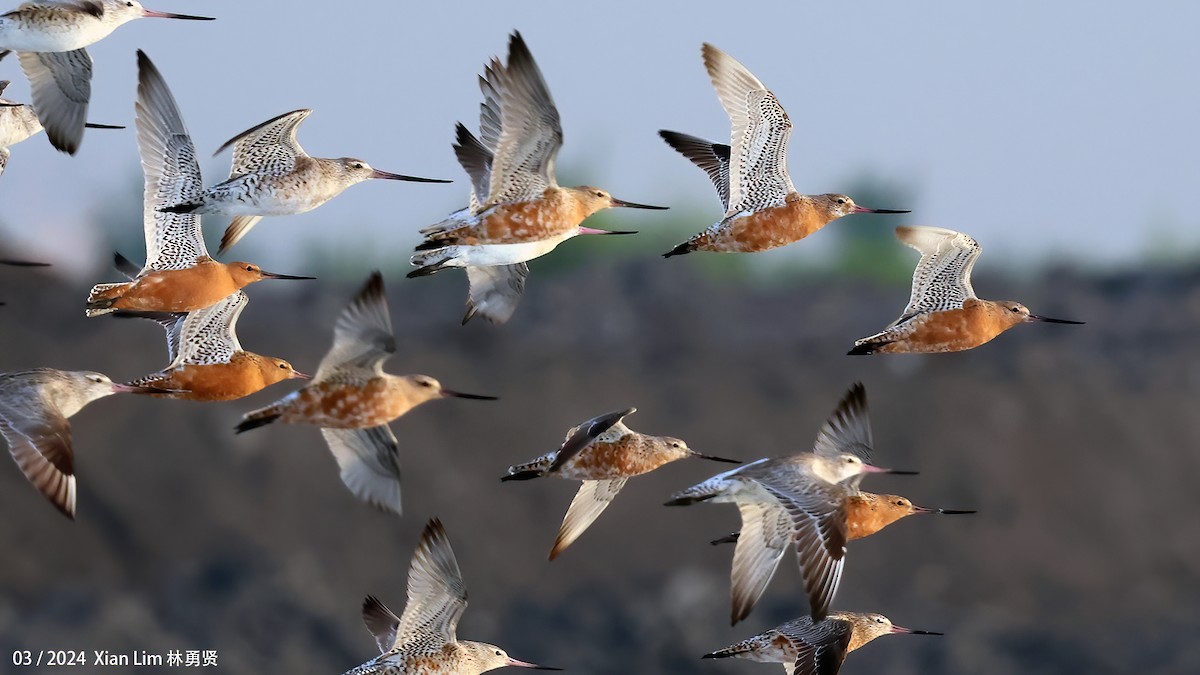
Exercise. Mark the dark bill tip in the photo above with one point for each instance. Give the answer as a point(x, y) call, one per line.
point(93, 125)
point(384, 175)
point(924, 632)
point(475, 397)
point(151, 14)
point(292, 277)
point(634, 205)
point(23, 263)
point(1046, 319)
point(714, 458)
point(955, 512)
point(897, 472)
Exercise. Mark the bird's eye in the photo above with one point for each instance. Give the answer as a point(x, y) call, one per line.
point(498, 653)
point(426, 383)
point(599, 193)
point(849, 460)
point(285, 366)
point(900, 503)
point(249, 268)
point(129, 4)
point(1016, 309)
point(358, 165)
point(841, 201)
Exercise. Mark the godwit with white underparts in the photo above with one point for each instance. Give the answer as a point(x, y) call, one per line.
point(49, 38)
point(273, 176)
point(517, 211)
point(18, 122)
point(762, 208)
point(604, 454)
point(207, 361)
point(34, 407)
point(943, 314)
point(805, 647)
point(352, 399)
point(795, 501)
point(422, 641)
point(179, 275)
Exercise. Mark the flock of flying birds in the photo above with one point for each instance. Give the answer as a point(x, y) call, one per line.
point(517, 211)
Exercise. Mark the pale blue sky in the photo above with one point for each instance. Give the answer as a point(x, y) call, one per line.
point(1064, 127)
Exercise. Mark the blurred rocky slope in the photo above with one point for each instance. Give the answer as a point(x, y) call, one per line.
point(1080, 446)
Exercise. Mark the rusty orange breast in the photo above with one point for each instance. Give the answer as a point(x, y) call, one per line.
point(184, 290)
point(347, 405)
point(630, 455)
point(240, 377)
point(952, 330)
point(554, 214)
point(769, 228)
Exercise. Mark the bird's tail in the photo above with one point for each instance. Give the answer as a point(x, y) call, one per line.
point(532, 469)
point(736, 650)
point(709, 489)
point(102, 297)
point(432, 261)
point(259, 418)
point(867, 346)
point(694, 244)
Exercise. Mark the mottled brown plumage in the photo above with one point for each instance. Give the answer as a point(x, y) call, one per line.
point(352, 399)
point(603, 453)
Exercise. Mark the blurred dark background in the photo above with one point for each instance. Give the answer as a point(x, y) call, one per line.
point(1076, 444)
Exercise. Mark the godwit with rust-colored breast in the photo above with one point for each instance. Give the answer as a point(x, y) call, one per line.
point(34, 407)
point(179, 275)
point(18, 122)
point(805, 647)
point(762, 208)
point(517, 210)
point(352, 399)
point(795, 501)
point(273, 176)
point(603, 453)
point(207, 361)
point(866, 513)
point(49, 38)
point(422, 641)
point(943, 314)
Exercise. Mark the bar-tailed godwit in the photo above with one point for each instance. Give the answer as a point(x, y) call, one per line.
point(34, 407)
point(943, 313)
point(207, 361)
point(179, 275)
point(866, 513)
point(603, 453)
point(49, 38)
point(805, 647)
point(273, 176)
point(795, 501)
point(352, 399)
point(423, 640)
point(517, 211)
point(18, 122)
point(762, 208)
